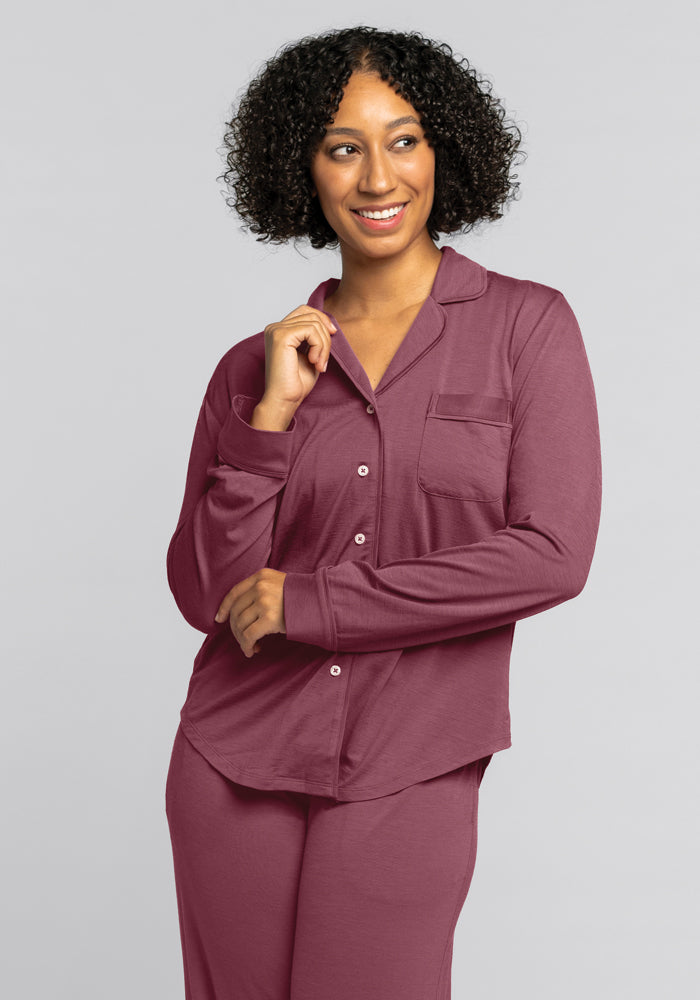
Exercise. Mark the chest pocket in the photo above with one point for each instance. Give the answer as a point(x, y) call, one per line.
point(464, 449)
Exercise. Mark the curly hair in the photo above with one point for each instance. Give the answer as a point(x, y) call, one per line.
point(283, 114)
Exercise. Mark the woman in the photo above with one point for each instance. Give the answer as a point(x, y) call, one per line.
point(381, 484)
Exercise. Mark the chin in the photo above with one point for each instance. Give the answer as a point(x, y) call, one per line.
point(378, 247)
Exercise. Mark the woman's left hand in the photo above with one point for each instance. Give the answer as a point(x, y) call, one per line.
point(255, 607)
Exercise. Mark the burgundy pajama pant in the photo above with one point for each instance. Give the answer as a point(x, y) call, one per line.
point(291, 896)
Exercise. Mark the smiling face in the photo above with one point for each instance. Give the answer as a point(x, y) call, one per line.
point(374, 172)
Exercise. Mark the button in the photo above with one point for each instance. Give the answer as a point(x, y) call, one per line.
point(359, 538)
point(335, 669)
point(370, 408)
point(362, 470)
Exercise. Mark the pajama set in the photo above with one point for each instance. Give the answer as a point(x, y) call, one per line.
point(322, 794)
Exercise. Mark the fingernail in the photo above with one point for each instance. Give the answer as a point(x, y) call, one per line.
point(325, 366)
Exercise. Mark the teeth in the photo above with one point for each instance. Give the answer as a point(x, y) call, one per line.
point(388, 213)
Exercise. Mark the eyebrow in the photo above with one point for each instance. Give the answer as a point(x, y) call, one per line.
point(406, 120)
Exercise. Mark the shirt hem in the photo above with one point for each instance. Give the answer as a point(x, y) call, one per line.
point(340, 793)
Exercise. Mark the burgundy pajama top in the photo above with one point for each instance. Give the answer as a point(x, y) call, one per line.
point(416, 524)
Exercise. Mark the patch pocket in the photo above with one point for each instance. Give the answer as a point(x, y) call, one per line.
point(464, 448)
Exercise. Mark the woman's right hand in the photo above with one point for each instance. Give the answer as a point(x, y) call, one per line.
point(297, 349)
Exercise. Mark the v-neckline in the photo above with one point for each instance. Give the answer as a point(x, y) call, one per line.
point(397, 349)
point(424, 329)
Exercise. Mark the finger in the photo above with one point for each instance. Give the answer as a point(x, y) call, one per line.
point(250, 622)
point(317, 321)
point(248, 638)
point(311, 311)
point(231, 597)
point(310, 331)
point(243, 618)
point(324, 317)
point(299, 327)
point(312, 340)
point(319, 348)
point(224, 609)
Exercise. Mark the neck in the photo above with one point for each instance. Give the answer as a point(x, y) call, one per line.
point(379, 286)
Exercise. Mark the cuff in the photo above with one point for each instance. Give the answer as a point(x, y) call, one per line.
point(253, 449)
point(307, 612)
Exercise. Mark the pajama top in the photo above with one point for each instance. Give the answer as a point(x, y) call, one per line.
point(416, 524)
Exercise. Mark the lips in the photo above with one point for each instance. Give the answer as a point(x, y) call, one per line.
point(380, 217)
point(379, 211)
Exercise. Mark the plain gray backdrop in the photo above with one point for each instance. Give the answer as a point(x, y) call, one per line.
point(128, 278)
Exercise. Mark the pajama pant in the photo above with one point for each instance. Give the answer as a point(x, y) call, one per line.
point(290, 896)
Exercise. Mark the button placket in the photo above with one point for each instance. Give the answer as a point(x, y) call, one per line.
point(363, 470)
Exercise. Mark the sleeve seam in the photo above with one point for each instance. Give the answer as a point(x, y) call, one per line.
point(259, 471)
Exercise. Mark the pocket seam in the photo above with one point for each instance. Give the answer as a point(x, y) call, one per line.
point(473, 405)
point(471, 418)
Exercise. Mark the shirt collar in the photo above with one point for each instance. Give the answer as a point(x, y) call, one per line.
point(458, 278)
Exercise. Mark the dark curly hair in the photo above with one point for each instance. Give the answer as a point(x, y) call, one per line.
point(283, 115)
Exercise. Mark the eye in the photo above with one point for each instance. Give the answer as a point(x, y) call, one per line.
point(406, 142)
point(343, 151)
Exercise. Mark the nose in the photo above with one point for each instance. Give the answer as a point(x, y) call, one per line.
point(378, 176)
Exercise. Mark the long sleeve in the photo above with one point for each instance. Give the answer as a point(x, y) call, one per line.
point(224, 530)
point(540, 559)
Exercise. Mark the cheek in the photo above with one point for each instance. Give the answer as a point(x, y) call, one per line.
point(422, 175)
point(327, 192)
point(429, 172)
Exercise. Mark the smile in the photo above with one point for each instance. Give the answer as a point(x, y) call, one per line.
point(386, 213)
point(380, 218)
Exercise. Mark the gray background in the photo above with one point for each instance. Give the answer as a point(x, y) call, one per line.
point(128, 278)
